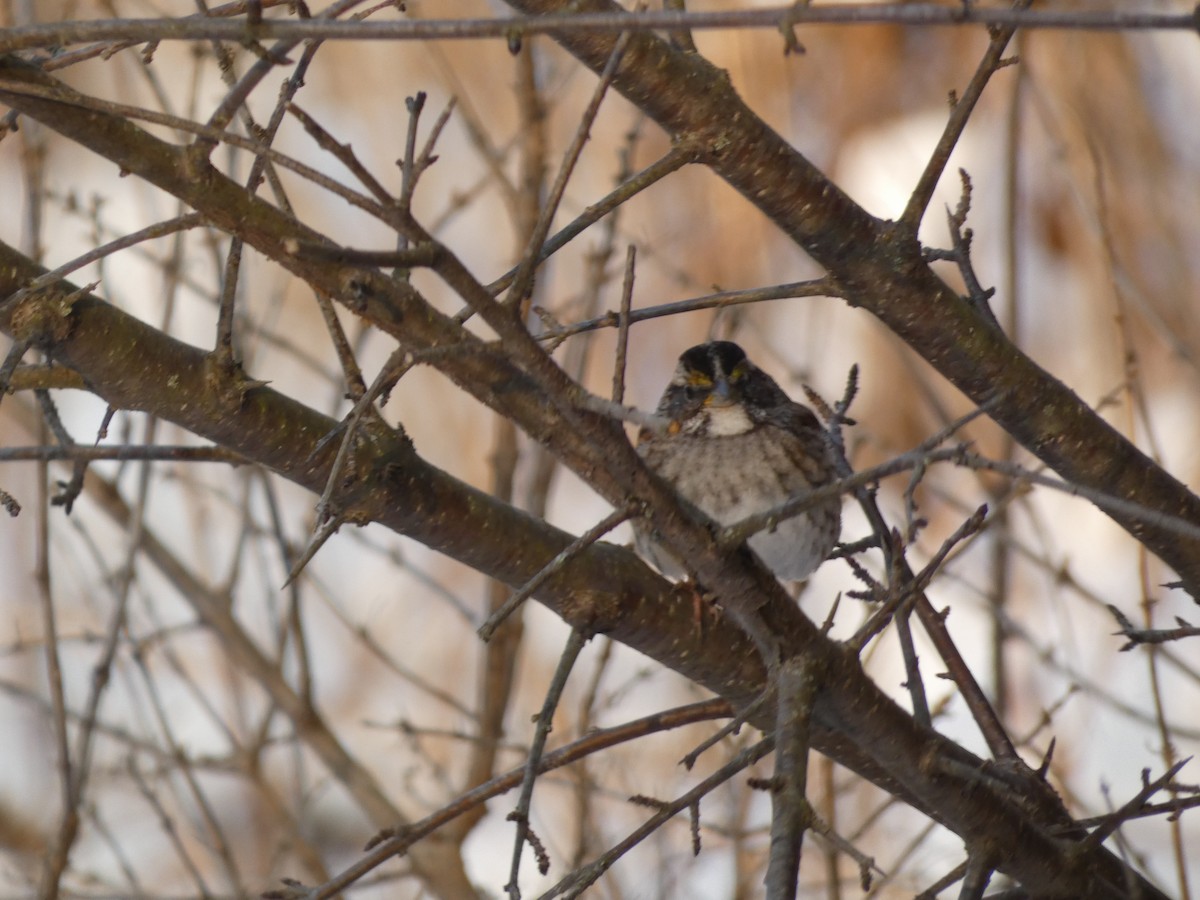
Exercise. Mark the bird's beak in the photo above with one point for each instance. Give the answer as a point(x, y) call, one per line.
point(722, 394)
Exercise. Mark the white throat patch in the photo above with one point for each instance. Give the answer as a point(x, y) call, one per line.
point(727, 421)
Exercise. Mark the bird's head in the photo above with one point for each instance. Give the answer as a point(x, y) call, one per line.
point(716, 391)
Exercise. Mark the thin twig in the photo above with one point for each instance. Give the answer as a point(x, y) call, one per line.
point(733, 726)
point(223, 352)
point(985, 716)
point(960, 239)
point(960, 113)
point(1171, 808)
point(913, 682)
point(520, 815)
point(734, 534)
point(343, 153)
point(580, 880)
point(523, 279)
point(933, 891)
point(1131, 807)
point(268, 58)
point(1149, 635)
point(326, 529)
point(676, 158)
point(408, 171)
point(392, 842)
point(618, 390)
point(397, 364)
point(818, 287)
point(69, 491)
point(1110, 503)
point(505, 27)
point(351, 373)
point(910, 586)
point(552, 568)
point(11, 361)
point(55, 860)
point(426, 157)
point(150, 232)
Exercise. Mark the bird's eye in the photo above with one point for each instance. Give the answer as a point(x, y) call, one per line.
point(698, 380)
point(739, 372)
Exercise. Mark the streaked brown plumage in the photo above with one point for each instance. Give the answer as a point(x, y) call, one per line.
point(739, 445)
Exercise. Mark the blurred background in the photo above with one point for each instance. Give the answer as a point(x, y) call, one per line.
point(1085, 163)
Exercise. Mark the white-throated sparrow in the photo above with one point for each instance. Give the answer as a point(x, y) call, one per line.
point(738, 445)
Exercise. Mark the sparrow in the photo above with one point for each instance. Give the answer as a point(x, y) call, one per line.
point(736, 445)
